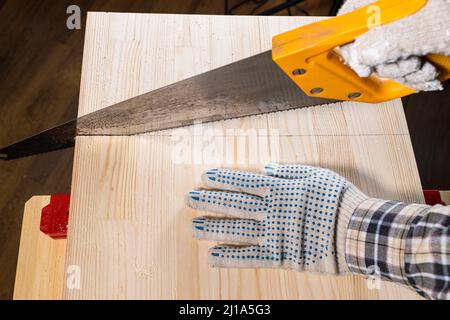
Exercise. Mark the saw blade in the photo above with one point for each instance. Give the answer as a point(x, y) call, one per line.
point(251, 86)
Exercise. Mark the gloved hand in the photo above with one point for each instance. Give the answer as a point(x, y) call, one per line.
point(393, 50)
point(293, 217)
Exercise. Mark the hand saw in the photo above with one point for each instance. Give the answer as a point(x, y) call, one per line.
point(302, 69)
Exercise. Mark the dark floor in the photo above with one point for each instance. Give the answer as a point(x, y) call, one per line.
point(40, 63)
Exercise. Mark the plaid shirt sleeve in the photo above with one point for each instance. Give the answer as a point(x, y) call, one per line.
point(404, 243)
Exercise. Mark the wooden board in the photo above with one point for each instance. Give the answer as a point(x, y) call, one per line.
point(40, 266)
point(445, 196)
point(129, 231)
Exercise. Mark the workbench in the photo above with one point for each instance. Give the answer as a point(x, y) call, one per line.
point(129, 230)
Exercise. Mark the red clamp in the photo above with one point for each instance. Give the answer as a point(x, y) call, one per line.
point(433, 197)
point(55, 216)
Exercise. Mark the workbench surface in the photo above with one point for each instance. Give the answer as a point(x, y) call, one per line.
point(129, 230)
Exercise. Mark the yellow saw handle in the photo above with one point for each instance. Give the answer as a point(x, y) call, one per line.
point(308, 54)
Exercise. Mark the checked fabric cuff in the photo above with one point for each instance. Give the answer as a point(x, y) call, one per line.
point(404, 243)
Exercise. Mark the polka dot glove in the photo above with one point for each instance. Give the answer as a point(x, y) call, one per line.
point(395, 50)
point(293, 217)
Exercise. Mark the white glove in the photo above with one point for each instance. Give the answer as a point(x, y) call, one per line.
point(393, 50)
point(294, 217)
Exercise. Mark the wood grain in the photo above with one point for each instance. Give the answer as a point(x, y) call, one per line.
point(445, 196)
point(129, 230)
point(40, 266)
point(36, 96)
